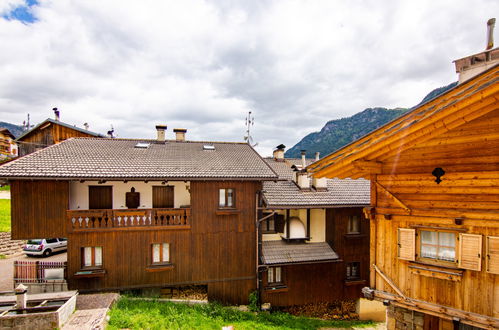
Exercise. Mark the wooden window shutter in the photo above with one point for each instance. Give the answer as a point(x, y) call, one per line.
point(279, 223)
point(407, 244)
point(493, 254)
point(470, 251)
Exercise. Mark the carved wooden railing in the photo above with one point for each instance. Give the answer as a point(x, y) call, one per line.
point(90, 220)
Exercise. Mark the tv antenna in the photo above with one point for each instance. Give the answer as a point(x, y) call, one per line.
point(250, 121)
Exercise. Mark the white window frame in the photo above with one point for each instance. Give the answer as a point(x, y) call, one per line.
point(226, 197)
point(163, 253)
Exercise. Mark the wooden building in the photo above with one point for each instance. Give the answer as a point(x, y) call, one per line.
point(145, 213)
point(314, 242)
point(434, 210)
point(49, 132)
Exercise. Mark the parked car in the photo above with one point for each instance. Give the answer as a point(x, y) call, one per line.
point(45, 246)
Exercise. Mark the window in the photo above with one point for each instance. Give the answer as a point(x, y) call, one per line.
point(269, 225)
point(226, 197)
point(354, 224)
point(91, 257)
point(274, 276)
point(438, 245)
point(353, 271)
point(161, 253)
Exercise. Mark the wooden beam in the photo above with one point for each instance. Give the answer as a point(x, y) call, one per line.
point(368, 166)
point(441, 311)
point(308, 223)
point(393, 198)
point(389, 281)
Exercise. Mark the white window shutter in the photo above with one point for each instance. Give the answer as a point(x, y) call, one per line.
point(493, 254)
point(407, 244)
point(470, 251)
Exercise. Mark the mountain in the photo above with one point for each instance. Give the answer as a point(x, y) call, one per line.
point(14, 129)
point(340, 132)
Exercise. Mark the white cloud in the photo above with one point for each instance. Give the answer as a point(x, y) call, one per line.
point(203, 64)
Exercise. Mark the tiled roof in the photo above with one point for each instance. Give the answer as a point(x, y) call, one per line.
point(53, 121)
point(345, 192)
point(103, 158)
point(280, 252)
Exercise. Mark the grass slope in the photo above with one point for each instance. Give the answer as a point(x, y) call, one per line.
point(147, 314)
point(4, 215)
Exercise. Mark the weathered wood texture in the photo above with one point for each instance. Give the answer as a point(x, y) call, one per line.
point(218, 250)
point(469, 155)
point(38, 208)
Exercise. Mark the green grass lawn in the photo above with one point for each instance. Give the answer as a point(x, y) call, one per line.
point(148, 314)
point(4, 215)
point(5, 188)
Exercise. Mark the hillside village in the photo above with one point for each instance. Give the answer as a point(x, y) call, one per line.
point(395, 228)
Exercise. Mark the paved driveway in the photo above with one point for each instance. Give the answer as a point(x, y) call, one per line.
point(7, 268)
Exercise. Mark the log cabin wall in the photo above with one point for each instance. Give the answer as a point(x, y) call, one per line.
point(38, 208)
point(219, 249)
point(466, 201)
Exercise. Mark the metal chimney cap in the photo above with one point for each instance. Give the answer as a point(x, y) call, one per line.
point(161, 126)
point(303, 152)
point(178, 130)
point(281, 147)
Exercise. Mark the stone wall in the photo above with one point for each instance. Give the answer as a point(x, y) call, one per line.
point(8, 246)
point(403, 319)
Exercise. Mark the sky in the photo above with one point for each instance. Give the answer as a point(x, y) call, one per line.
point(202, 65)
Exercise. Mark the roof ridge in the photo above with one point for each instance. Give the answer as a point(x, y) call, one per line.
point(152, 140)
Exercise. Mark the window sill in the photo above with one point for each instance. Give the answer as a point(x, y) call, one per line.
point(355, 282)
point(276, 289)
point(434, 271)
point(88, 273)
point(227, 211)
point(354, 235)
point(159, 267)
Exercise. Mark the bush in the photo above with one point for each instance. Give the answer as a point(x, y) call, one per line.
point(253, 301)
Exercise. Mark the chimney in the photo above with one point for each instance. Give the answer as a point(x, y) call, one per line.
point(303, 159)
point(179, 133)
point(472, 65)
point(490, 33)
point(57, 114)
point(279, 153)
point(301, 175)
point(86, 126)
point(320, 184)
point(161, 132)
point(21, 296)
point(317, 156)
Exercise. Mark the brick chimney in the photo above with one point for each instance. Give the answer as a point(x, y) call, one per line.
point(160, 129)
point(279, 153)
point(180, 134)
point(320, 184)
point(471, 66)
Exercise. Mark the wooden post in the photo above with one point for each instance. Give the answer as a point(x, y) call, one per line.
point(373, 232)
point(287, 224)
point(308, 223)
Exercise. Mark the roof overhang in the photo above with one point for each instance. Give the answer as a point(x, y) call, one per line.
point(463, 103)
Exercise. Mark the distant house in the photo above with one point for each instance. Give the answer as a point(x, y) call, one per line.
point(434, 210)
point(145, 213)
point(8, 146)
point(49, 132)
point(314, 237)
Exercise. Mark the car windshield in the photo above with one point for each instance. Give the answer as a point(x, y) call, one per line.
point(35, 241)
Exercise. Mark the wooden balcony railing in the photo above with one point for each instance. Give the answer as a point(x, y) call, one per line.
point(139, 219)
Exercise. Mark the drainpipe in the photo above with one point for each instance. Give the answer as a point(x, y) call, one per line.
point(259, 267)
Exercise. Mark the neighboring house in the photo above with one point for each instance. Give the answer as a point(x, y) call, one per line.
point(314, 239)
point(8, 146)
point(434, 204)
point(49, 132)
point(145, 213)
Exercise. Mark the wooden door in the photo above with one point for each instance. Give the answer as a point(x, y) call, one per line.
point(162, 196)
point(100, 197)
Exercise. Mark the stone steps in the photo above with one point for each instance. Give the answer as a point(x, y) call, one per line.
point(9, 247)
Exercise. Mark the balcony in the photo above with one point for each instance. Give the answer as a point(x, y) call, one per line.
point(128, 219)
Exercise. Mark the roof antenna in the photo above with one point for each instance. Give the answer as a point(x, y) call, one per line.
point(111, 132)
point(250, 121)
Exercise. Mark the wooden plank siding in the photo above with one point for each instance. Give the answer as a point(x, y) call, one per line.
point(38, 208)
point(218, 250)
point(465, 201)
point(52, 133)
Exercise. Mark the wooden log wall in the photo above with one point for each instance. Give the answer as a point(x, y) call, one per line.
point(218, 250)
point(465, 201)
point(38, 208)
point(52, 133)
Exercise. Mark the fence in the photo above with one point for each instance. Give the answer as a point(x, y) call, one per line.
point(39, 272)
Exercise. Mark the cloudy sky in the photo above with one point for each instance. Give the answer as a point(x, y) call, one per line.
point(202, 65)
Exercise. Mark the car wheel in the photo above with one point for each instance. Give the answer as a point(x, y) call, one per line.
point(47, 253)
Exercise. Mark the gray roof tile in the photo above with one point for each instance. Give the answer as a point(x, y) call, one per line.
point(280, 252)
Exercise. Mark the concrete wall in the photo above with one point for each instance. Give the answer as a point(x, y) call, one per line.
point(317, 224)
point(78, 194)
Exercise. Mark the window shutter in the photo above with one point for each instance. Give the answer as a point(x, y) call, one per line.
point(407, 244)
point(493, 254)
point(279, 223)
point(470, 251)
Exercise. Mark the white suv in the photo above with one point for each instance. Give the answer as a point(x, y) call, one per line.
point(45, 246)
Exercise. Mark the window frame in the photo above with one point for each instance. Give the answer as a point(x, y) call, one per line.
point(266, 224)
point(349, 225)
point(161, 262)
point(93, 264)
point(274, 270)
point(348, 273)
point(436, 261)
point(226, 198)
